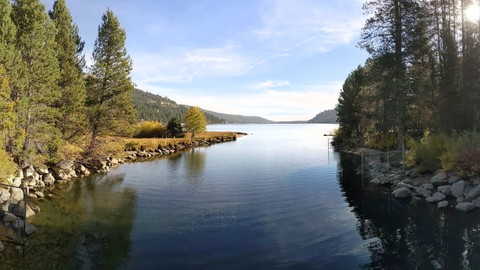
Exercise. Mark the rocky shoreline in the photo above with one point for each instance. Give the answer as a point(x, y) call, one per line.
point(442, 188)
point(19, 193)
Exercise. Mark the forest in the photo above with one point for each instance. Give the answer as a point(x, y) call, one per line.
point(420, 87)
point(52, 106)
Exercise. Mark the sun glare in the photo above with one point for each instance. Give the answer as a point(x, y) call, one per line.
point(472, 13)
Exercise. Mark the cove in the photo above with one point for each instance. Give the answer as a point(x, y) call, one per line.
point(279, 198)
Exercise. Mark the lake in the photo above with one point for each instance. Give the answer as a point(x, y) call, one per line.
point(279, 198)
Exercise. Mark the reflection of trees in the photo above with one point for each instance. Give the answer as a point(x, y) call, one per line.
point(409, 234)
point(89, 228)
point(195, 166)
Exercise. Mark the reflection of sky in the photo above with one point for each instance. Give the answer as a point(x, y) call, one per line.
point(273, 193)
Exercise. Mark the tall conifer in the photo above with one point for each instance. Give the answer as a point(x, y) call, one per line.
point(73, 92)
point(37, 100)
point(109, 87)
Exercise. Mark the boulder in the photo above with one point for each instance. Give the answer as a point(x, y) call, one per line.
point(453, 179)
point(442, 204)
point(439, 176)
point(457, 189)
point(460, 199)
point(445, 190)
point(16, 195)
point(375, 181)
point(476, 202)
point(428, 186)
point(402, 192)
point(28, 171)
point(48, 179)
point(473, 193)
point(43, 171)
point(436, 197)
point(465, 206)
point(39, 194)
point(17, 181)
point(30, 229)
point(4, 195)
point(415, 173)
point(423, 192)
point(404, 185)
point(114, 161)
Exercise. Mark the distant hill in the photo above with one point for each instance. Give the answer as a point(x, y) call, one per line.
point(240, 119)
point(327, 116)
point(157, 108)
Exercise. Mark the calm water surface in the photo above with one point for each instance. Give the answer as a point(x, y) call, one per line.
point(275, 199)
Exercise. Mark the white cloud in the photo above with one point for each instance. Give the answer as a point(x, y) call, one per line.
point(271, 84)
point(314, 26)
point(184, 65)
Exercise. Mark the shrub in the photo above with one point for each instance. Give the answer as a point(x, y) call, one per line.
point(425, 154)
point(149, 129)
point(468, 164)
point(382, 141)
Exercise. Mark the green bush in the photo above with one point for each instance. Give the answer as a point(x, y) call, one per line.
point(425, 154)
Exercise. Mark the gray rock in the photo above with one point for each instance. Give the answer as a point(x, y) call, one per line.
point(465, 206)
point(404, 185)
point(476, 202)
point(9, 217)
point(28, 171)
point(440, 176)
point(453, 179)
point(436, 197)
point(2, 247)
point(457, 189)
point(86, 172)
point(4, 195)
point(43, 171)
point(39, 194)
point(473, 193)
point(402, 192)
point(460, 199)
point(32, 196)
point(114, 161)
point(48, 179)
point(17, 181)
point(428, 186)
point(445, 190)
point(375, 181)
point(423, 192)
point(16, 195)
point(36, 209)
point(442, 204)
point(30, 229)
point(415, 173)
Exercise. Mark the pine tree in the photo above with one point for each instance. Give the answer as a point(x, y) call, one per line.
point(6, 124)
point(109, 86)
point(195, 121)
point(13, 68)
point(72, 120)
point(174, 127)
point(37, 100)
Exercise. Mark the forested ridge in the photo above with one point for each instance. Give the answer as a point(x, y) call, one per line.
point(153, 107)
point(422, 80)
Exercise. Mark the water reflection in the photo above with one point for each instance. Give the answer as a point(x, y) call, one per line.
point(409, 234)
point(195, 166)
point(87, 227)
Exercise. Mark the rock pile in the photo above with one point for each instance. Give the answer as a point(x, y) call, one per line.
point(440, 188)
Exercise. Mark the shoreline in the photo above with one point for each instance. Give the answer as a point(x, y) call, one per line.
point(445, 189)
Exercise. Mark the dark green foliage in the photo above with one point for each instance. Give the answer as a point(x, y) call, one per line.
point(109, 87)
point(72, 121)
point(153, 107)
point(36, 100)
point(327, 116)
point(174, 128)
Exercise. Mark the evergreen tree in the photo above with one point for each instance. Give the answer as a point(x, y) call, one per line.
point(174, 128)
point(6, 125)
point(73, 92)
point(109, 87)
point(36, 101)
point(13, 68)
point(195, 121)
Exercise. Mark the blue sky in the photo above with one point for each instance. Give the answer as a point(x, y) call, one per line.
point(279, 59)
